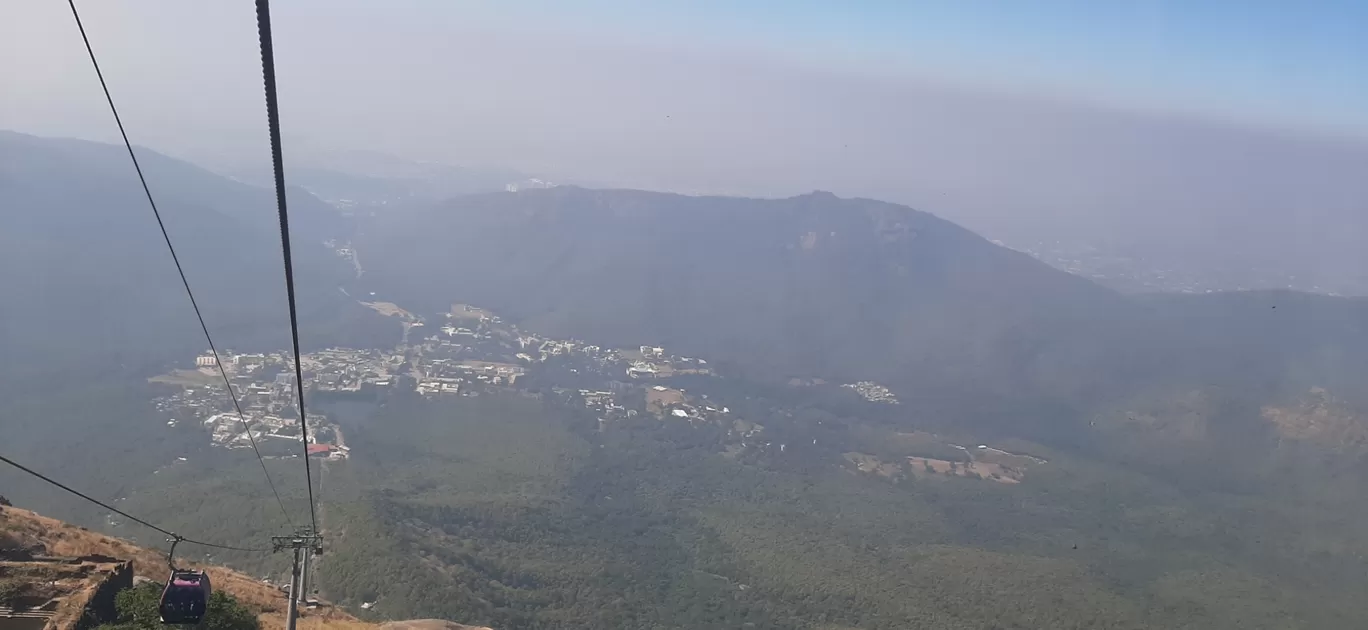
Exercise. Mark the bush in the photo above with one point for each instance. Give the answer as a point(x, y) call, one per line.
point(137, 606)
point(227, 613)
point(138, 610)
point(10, 589)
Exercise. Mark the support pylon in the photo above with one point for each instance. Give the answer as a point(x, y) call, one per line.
point(302, 544)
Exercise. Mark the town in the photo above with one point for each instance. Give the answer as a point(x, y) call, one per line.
point(473, 352)
point(873, 392)
point(266, 414)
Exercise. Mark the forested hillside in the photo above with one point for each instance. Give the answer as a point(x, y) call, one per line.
point(849, 289)
point(92, 306)
point(808, 286)
point(1188, 436)
point(536, 520)
point(88, 280)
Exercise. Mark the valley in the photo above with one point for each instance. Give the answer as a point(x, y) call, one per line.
point(572, 408)
point(484, 356)
point(540, 482)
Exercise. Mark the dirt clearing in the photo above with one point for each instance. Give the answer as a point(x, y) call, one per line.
point(923, 466)
point(189, 378)
point(659, 398)
point(389, 309)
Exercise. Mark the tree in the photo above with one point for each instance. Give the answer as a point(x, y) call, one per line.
point(10, 589)
point(138, 610)
point(138, 606)
point(226, 613)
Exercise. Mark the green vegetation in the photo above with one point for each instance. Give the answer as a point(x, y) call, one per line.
point(11, 589)
point(138, 610)
point(513, 512)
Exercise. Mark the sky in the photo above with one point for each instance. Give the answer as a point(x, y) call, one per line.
point(1261, 60)
point(1174, 123)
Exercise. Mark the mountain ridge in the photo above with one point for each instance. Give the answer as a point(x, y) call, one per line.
point(79, 238)
point(827, 267)
point(816, 286)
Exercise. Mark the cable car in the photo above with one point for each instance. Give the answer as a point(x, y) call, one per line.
point(185, 598)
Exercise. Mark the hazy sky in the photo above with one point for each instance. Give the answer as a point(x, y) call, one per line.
point(1257, 59)
point(1302, 64)
point(1179, 119)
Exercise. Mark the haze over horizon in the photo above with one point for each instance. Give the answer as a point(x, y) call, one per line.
point(1148, 127)
point(779, 316)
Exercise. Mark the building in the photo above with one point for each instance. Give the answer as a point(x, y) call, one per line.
point(49, 593)
point(206, 360)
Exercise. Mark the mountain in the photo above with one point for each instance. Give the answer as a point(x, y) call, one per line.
point(91, 304)
point(370, 179)
point(87, 279)
point(1198, 458)
point(810, 286)
point(816, 286)
point(1280, 341)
